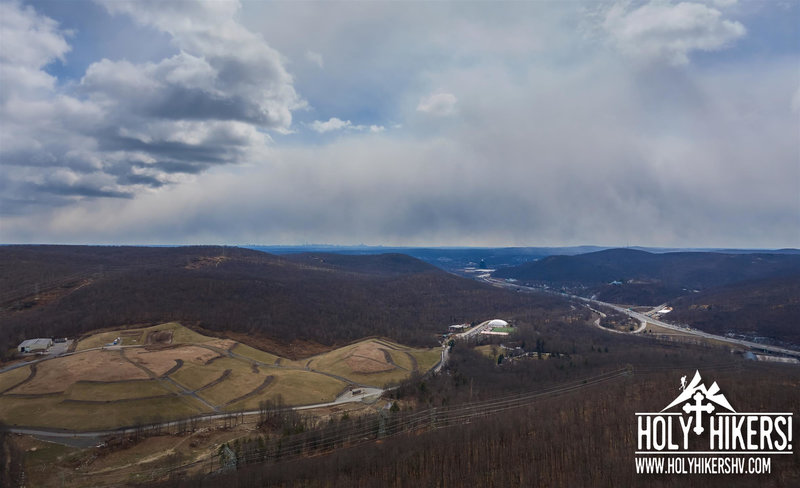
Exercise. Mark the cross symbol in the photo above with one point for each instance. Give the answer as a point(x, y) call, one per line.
point(698, 408)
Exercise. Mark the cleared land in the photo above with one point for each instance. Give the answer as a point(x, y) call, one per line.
point(372, 362)
point(56, 375)
point(169, 372)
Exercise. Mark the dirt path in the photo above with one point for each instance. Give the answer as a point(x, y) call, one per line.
point(217, 381)
point(388, 357)
point(178, 364)
point(267, 381)
point(414, 363)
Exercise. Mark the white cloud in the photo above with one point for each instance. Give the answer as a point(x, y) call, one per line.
point(315, 58)
point(438, 104)
point(331, 124)
point(29, 43)
point(671, 32)
point(335, 123)
point(128, 127)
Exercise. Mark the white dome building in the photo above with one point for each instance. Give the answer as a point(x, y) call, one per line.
point(498, 323)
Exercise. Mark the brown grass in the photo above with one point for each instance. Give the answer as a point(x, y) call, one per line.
point(161, 361)
point(159, 337)
point(58, 374)
point(367, 358)
point(225, 344)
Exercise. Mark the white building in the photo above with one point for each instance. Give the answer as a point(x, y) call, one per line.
point(35, 345)
point(497, 323)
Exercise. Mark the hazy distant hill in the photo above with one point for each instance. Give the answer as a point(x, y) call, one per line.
point(374, 264)
point(318, 297)
point(644, 277)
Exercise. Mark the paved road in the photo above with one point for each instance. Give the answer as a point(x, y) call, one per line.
point(644, 318)
point(740, 342)
point(460, 336)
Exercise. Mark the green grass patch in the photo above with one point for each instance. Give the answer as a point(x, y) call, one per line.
point(296, 387)
point(255, 354)
point(426, 358)
point(504, 329)
point(238, 383)
point(335, 362)
point(180, 335)
point(402, 359)
point(98, 340)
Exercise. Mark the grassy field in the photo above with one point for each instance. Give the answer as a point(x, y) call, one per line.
point(296, 387)
point(53, 411)
point(137, 337)
point(155, 380)
point(509, 330)
point(252, 353)
point(13, 377)
point(83, 391)
point(426, 358)
point(237, 384)
point(195, 376)
point(365, 363)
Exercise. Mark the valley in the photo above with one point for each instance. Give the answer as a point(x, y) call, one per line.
point(207, 366)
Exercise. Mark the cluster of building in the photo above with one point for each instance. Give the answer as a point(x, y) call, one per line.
point(487, 329)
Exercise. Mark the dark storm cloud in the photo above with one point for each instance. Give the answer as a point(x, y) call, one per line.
point(134, 179)
point(191, 155)
point(78, 190)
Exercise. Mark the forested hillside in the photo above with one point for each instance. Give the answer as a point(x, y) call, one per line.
point(769, 308)
point(676, 271)
point(328, 299)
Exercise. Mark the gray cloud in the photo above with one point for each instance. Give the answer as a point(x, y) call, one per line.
point(557, 139)
point(128, 128)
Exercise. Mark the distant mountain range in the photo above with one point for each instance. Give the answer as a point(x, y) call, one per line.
point(752, 294)
point(455, 259)
point(679, 272)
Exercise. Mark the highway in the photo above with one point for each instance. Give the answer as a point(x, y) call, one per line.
point(644, 318)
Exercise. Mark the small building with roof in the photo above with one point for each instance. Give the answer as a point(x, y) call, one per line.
point(35, 345)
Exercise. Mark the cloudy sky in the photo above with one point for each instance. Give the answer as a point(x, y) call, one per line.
point(401, 123)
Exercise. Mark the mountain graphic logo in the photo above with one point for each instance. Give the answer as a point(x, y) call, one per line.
point(700, 421)
point(697, 398)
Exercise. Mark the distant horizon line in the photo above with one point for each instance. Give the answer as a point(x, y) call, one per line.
point(388, 246)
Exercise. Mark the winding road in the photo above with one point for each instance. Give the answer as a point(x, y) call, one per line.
point(643, 318)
